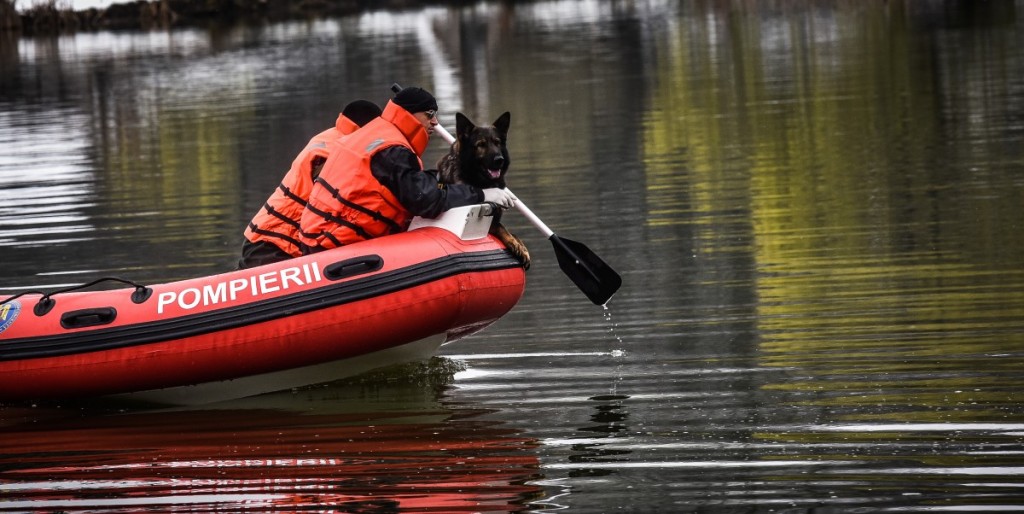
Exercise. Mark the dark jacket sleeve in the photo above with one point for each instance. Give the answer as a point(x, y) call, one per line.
point(417, 189)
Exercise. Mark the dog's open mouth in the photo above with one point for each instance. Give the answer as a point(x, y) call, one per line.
point(495, 174)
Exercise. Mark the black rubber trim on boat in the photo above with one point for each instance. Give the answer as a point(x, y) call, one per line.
point(224, 319)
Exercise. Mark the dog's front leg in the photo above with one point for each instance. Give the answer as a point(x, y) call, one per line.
point(513, 243)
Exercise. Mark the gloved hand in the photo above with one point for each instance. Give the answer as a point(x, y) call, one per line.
point(501, 197)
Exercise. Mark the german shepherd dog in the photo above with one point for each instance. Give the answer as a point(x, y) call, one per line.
point(479, 157)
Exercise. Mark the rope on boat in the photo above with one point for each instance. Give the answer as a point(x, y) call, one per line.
point(46, 302)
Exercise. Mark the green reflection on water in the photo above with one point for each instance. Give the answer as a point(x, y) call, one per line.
point(870, 182)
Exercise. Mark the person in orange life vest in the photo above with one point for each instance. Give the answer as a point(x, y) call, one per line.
point(374, 182)
point(272, 235)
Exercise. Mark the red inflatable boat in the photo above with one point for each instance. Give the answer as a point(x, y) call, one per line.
point(308, 320)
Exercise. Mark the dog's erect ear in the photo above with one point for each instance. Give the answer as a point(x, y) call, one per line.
point(502, 123)
point(462, 125)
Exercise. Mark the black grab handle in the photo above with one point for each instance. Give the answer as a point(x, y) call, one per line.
point(352, 267)
point(88, 317)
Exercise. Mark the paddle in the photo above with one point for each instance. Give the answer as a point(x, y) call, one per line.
point(591, 275)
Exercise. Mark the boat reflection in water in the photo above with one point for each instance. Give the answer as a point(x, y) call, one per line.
point(378, 443)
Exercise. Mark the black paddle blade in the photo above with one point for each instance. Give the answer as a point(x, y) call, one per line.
point(596, 279)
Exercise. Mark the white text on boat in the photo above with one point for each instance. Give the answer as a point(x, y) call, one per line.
point(230, 290)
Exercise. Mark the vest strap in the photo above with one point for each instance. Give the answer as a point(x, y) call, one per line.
point(395, 228)
point(330, 217)
point(277, 214)
point(291, 196)
point(270, 233)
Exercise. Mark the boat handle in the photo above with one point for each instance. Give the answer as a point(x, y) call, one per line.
point(88, 317)
point(352, 267)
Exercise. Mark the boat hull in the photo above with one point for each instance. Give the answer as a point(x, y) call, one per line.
point(225, 390)
point(303, 321)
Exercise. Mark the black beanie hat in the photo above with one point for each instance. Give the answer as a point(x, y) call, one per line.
point(414, 99)
point(361, 112)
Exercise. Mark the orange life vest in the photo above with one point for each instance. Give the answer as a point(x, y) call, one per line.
point(347, 203)
point(277, 222)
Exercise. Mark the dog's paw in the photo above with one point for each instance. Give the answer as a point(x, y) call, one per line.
point(514, 245)
point(518, 248)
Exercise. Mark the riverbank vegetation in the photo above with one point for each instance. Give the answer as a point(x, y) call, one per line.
point(47, 17)
point(57, 17)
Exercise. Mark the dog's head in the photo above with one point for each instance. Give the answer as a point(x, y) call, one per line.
point(483, 151)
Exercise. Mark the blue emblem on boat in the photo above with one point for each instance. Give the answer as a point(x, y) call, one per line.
point(8, 313)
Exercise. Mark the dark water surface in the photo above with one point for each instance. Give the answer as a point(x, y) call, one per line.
point(816, 208)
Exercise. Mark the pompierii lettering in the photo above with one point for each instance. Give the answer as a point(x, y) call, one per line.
point(253, 286)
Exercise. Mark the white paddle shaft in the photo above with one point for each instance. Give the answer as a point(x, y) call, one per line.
point(448, 138)
point(520, 206)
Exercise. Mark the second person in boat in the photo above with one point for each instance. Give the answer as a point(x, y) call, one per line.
point(273, 234)
point(374, 181)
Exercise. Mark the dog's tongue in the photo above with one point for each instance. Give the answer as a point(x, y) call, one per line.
point(495, 174)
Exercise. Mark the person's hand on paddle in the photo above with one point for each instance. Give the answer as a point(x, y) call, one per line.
point(501, 197)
